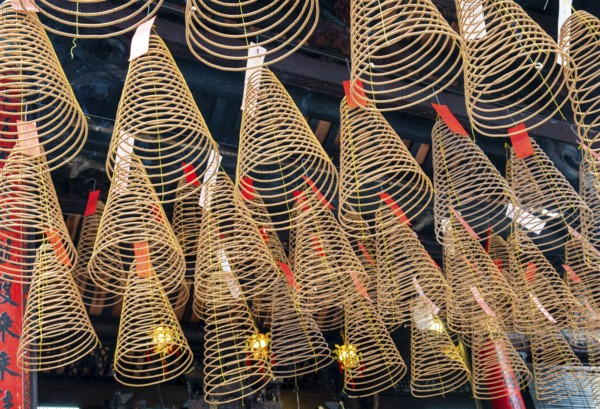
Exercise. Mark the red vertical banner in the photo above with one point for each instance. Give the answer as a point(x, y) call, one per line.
point(504, 380)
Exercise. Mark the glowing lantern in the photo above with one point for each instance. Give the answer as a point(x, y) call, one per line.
point(347, 356)
point(259, 344)
point(162, 339)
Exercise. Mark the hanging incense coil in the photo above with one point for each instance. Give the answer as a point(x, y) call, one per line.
point(497, 368)
point(134, 224)
point(38, 104)
point(95, 19)
point(579, 39)
point(236, 360)
point(278, 152)
point(378, 365)
point(325, 264)
point(30, 215)
point(376, 168)
point(365, 250)
point(582, 271)
point(541, 295)
point(404, 272)
point(297, 345)
point(403, 52)
point(589, 190)
point(91, 294)
point(56, 328)
point(151, 347)
point(187, 217)
point(162, 127)
point(437, 366)
point(478, 289)
point(510, 67)
point(223, 34)
point(558, 372)
point(550, 207)
point(482, 201)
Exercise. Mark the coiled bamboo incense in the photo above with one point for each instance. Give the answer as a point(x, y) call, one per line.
point(583, 268)
point(187, 217)
point(589, 190)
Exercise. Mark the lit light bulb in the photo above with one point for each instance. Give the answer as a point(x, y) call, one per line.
point(162, 338)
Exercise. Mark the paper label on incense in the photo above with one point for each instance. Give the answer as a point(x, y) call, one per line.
point(564, 12)
point(28, 138)
point(462, 221)
point(530, 271)
point(572, 274)
point(525, 219)
point(289, 275)
point(449, 119)
point(92, 203)
point(190, 174)
point(365, 253)
point(141, 252)
point(141, 39)
point(474, 20)
point(540, 307)
point(355, 97)
point(318, 193)
point(359, 286)
point(58, 246)
point(256, 58)
point(23, 5)
point(234, 287)
point(519, 138)
point(486, 308)
point(588, 245)
point(214, 161)
point(395, 208)
point(247, 188)
point(434, 308)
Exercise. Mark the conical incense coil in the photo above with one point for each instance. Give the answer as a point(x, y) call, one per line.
point(405, 271)
point(372, 364)
point(437, 366)
point(541, 295)
point(162, 127)
point(579, 38)
point(403, 52)
point(56, 328)
point(151, 347)
point(478, 289)
point(325, 267)
point(482, 201)
point(558, 372)
point(376, 169)
point(278, 153)
point(510, 67)
point(550, 207)
point(297, 345)
point(90, 293)
point(134, 225)
point(497, 368)
point(230, 241)
point(226, 34)
point(582, 271)
point(365, 250)
point(38, 104)
point(30, 215)
point(236, 355)
point(187, 216)
point(589, 190)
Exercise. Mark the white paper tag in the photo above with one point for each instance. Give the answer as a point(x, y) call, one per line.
point(434, 308)
point(141, 39)
point(234, 288)
point(541, 308)
point(256, 58)
point(474, 20)
point(527, 220)
point(23, 5)
point(214, 161)
point(124, 152)
point(564, 12)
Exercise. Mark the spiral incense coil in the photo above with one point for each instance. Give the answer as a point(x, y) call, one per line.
point(589, 190)
point(151, 347)
point(478, 289)
point(550, 207)
point(542, 296)
point(230, 241)
point(437, 366)
point(28, 204)
point(92, 19)
point(404, 272)
point(378, 365)
point(510, 67)
point(134, 225)
point(297, 345)
point(34, 83)
point(278, 153)
point(236, 356)
point(159, 121)
point(56, 328)
point(222, 34)
point(404, 52)
point(325, 267)
point(376, 169)
point(482, 201)
point(91, 294)
point(187, 216)
point(558, 372)
point(579, 38)
point(497, 368)
point(582, 275)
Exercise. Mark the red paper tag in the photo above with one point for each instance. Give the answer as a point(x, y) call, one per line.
point(530, 272)
point(92, 203)
point(449, 119)
point(142, 259)
point(190, 174)
point(318, 193)
point(435, 264)
point(365, 252)
point(289, 275)
point(520, 141)
point(465, 224)
point(572, 274)
point(358, 90)
point(28, 135)
point(318, 246)
point(359, 286)
point(157, 212)
point(395, 208)
point(264, 232)
point(498, 263)
point(300, 199)
point(479, 298)
point(247, 189)
point(58, 246)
